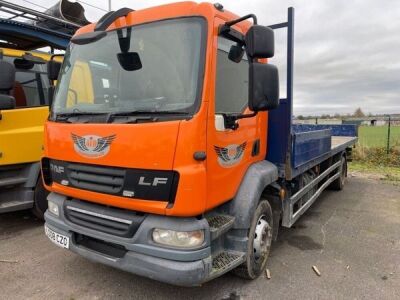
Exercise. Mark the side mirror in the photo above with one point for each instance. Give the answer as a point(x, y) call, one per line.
point(53, 68)
point(23, 64)
point(260, 42)
point(263, 78)
point(263, 87)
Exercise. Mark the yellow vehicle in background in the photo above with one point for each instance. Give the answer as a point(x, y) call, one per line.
point(25, 94)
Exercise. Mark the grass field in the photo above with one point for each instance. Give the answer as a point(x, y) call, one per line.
point(372, 147)
point(376, 136)
point(368, 170)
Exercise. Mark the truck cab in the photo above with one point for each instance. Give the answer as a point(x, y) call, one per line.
point(23, 109)
point(156, 144)
point(25, 95)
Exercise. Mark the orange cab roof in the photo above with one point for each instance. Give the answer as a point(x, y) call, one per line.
point(167, 11)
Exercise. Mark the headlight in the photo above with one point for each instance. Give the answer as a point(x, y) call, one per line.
point(181, 239)
point(53, 208)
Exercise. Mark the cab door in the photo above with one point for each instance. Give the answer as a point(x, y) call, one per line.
point(230, 151)
point(21, 128)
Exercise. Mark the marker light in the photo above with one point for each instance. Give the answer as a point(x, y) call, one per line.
point(53, 208)
point(180, 239)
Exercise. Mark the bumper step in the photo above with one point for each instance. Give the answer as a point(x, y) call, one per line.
point(14, 205)
point(219, 224)
point(226, 261)
point(12, 181)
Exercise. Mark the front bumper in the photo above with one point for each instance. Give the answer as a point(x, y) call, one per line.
point(141, 255)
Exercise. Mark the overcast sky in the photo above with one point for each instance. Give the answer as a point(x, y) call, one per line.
point(347, 52)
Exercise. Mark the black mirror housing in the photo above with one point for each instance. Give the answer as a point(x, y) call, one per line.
point(53, 68)
point(129, 61)
point(263, 87)
point(23, 64)
point(236, 53)
point(260, 42)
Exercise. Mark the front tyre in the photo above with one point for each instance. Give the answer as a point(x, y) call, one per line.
point(40, 199)
point(259, 244)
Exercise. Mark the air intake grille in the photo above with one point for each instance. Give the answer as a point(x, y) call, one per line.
point(109, 220)
point(96, 178)
point(144, 184)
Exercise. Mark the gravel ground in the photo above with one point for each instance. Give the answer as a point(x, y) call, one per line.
point(353, 237)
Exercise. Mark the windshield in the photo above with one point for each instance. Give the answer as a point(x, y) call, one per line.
point(153, 67)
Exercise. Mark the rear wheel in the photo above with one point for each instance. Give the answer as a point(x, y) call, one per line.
point(259, 244)
point(338, 183)
point(40, 199)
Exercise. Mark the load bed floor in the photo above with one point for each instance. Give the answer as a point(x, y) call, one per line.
point(338, 141)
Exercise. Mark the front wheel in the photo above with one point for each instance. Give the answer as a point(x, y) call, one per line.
point(40, 199)
point(259, 244)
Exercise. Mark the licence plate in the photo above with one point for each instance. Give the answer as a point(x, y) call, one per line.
point(58, 239)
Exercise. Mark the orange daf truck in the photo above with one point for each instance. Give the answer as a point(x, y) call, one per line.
point(168, 152)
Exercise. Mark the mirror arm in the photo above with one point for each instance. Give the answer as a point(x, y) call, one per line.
point(233, 22)
point(230, 120)
point(244, 116)
point(110, 17)
point(226, 31)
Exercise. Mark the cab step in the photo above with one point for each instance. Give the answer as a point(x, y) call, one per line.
point(226, 261)
point(219, 224)
point(11, 181)
point(14, 205)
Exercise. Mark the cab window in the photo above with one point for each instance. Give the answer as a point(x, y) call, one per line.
point(231, 94)
point(31, 84)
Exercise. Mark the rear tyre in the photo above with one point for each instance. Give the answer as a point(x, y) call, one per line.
point(338, 184)
point(40, 200)
point(259, 244)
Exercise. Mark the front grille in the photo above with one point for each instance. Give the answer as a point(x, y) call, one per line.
point(96, 178)
point(144, 184)
point(102, 218)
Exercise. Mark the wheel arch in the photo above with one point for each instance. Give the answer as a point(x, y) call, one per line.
point(257, 182)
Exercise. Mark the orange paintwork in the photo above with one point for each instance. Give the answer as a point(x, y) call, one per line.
point(169, 145)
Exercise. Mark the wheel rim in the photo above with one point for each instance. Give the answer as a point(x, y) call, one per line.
point(262, 238)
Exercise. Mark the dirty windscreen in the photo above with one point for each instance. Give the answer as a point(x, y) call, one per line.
point(168, 78)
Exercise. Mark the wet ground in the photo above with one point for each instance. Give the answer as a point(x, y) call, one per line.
point(353, 237)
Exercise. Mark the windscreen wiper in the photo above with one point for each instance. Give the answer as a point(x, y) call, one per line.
point(64, 117)
point(144, 115)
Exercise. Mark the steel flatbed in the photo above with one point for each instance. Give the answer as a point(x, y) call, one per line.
point(310, 146)
point(340, 142)
point(313, 144)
